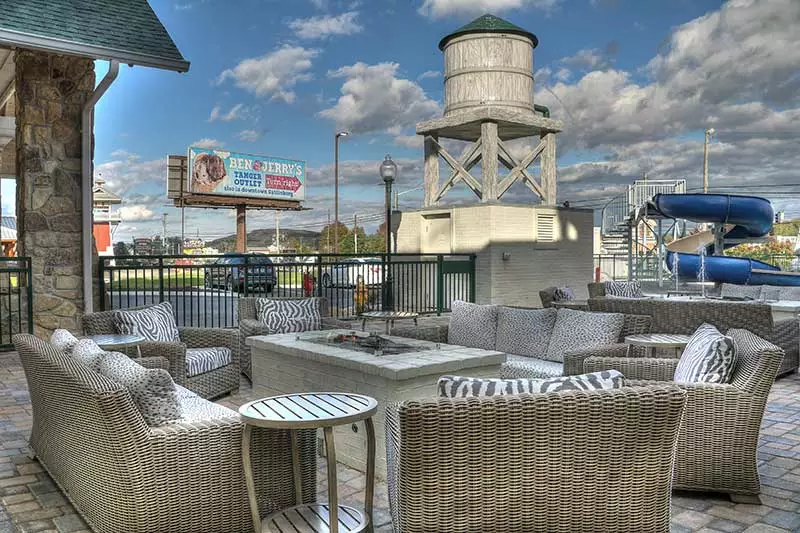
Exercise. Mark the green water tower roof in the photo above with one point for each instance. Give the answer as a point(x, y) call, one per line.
point(489, 24)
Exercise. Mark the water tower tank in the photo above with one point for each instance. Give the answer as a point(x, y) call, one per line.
point(488, 62)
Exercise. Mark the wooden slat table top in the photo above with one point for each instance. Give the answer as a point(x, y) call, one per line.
point(658, 340)
point(313, 518)
point(308, 410)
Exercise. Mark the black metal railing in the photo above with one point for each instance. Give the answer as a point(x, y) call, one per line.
point(204, 289)
point(16, 299)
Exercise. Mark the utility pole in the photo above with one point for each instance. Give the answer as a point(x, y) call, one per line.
point(355, 232)
point(709, 133)
point(278, 230)
point(164, 234)
point(328, 232)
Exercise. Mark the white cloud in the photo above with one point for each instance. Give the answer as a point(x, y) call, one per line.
point(250, 135)
point(375, 99)
point(323, 26)
point(443, 8)
point(274, 74)
point(234, 113)
point(409, 141)
point(207, 143)
point(131, 213)
point(320, 4)
point(429, 74)
point(587, 59)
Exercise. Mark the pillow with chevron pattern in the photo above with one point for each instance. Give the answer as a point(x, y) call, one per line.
point(289, 315)
point(154, 323)
point(624, 289)
point(709, 357)
point(462, 387)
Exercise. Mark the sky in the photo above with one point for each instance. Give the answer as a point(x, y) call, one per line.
point(635, 84)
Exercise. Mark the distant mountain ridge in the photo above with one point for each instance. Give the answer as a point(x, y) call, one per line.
point(262, 238)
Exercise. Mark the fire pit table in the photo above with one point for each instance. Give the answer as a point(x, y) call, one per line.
point(387, 368)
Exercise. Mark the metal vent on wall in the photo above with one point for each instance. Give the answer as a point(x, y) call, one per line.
point(546, 228)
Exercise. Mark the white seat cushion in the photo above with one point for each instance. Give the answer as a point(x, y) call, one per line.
point(473, 325)
point(196, 409)
point(525, 331)
point(521, 367)
point(202, 360)
point(578, 330)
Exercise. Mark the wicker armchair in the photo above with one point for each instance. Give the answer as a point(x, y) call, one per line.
point(218, 382)
point(547, 296)
point(250, 326)
point(719, 434)
point(685, 316)
point(511, 463)
point(124, 476)
point(597, 289)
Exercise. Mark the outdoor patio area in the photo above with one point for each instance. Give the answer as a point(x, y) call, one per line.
point(32, 503)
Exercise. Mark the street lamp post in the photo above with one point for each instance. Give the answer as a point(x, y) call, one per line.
point(709, 133)
point(336, 190)
point(388, 170)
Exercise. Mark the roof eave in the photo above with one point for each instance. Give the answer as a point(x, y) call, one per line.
point(50, 44)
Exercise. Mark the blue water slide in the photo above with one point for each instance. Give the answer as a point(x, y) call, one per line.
point(750, 216)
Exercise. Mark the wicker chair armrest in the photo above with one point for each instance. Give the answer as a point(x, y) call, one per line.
point(174, 352)
point(209, 337)
point(250, 327)
point(634, 368)
point(154, 362)
point(573, 361)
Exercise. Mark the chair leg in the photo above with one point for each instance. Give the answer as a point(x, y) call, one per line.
point(752, 499)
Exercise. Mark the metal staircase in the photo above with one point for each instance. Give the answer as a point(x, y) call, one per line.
point(629, 237)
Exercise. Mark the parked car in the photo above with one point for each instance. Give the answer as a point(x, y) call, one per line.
point(345, 273)
point(228, 271)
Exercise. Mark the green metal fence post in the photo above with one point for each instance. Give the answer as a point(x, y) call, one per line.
point(101, 272)
point(160, 279)
point(472, 277)
point(319, 277)
point(439, 284)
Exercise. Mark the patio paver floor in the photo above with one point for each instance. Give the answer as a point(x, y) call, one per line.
point(30, 502)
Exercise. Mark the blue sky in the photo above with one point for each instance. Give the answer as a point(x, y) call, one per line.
point(634, 82)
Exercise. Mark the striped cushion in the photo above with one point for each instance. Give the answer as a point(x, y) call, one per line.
point(709, 357)
point(155, 323)
point(461, 387)
point(289, 316)
point(624, 289)
point(202, 360)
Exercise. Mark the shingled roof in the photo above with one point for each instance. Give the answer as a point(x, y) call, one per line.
point(489, 24)
point(126, 30)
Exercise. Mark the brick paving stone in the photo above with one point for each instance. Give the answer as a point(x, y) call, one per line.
point(45, 510)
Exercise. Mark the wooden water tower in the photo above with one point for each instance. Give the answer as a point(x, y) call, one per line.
point(488, 97)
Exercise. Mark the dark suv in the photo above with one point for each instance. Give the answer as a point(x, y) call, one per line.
point(229, 272)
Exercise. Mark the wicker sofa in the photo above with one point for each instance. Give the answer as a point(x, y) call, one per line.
point(124, 476)
point(555, 462)
point(211, 384)
point(719, 434)
point(520, 366)
point(685, 316)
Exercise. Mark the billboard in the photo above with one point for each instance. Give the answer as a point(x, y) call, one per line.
point(224, 173)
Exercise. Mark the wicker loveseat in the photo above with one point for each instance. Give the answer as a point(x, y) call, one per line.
point(685, 316)
point(124, 476)
point(520, 366)
point(719, 434)
point(211, 384)
point(558, 462)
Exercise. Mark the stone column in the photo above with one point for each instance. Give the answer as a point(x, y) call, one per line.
point(51, 93)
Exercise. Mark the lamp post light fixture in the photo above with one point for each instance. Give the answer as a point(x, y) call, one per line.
point(388, 171)
point(336, 189)
point(709, 133)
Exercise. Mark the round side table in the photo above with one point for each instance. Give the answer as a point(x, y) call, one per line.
point(118, 342)
point(311, 410)
point(651, 341)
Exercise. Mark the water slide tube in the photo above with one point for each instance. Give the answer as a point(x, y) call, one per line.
point(743, 216)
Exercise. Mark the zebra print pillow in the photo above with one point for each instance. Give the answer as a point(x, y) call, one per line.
point(709, 357)
point(289, 316)
point(155, 323)
point(461, 387)
point(624, 289)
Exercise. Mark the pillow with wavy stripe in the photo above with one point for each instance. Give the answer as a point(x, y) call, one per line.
point(289, 315)
point(464, 387)
point(709, 357)
point(154, 323)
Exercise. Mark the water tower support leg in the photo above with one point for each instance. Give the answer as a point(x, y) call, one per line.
point(431, 170)
point(489, 161)
point(548, 163)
